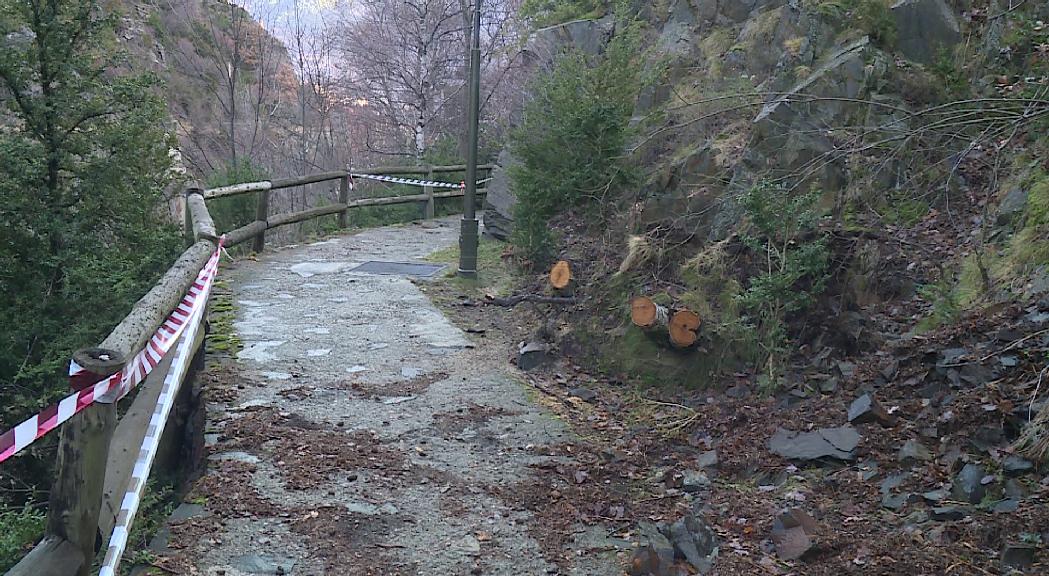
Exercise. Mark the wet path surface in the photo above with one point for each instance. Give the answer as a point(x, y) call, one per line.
point(360, 432)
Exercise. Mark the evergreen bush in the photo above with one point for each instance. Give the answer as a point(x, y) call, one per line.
point(570, 144)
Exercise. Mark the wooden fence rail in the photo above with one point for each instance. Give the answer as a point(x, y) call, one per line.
point(95, 454)
point(266, 185)
point(342, 208)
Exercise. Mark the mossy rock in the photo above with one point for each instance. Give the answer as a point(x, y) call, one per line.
point(1038, 202)
point(642, 357)
point(713, 46)
point(1029, 246)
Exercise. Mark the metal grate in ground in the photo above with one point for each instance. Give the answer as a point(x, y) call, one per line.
point(399, 268)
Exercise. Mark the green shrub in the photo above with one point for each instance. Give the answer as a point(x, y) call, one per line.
point(945, 304)
point(158, 502)
point(875, 18)
point(571, 140)
point(157, 25)
point(952, 76)
point(19, 530)
point(83, 227)
point(872, 17)
point(792, 256)
point(1023, 54)
point(231, 212)
point(549, 12)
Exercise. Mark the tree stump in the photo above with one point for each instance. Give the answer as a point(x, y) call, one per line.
point(561, 277)
point(684, 327)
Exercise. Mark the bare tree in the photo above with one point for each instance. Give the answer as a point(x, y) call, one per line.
point(404, 53)
point(408, 59)
point(236, 62)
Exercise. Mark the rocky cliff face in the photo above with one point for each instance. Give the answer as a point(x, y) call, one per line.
point(752, 90)
point(881, 111)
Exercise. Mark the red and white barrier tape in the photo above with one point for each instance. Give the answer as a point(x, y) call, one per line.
point(148, 451)
point(119, 384)
point(409, 181)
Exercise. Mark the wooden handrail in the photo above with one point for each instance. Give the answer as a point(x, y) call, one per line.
point(308, 179)
point(266, 185)
point(245, 233)
point(293, 217)
point(203, 225)
point(74, 519)
point(237, 189)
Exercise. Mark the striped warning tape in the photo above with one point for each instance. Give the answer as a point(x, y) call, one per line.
point(409, 181)
point(148, 451)
point(118, 385)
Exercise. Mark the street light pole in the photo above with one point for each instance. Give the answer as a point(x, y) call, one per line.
point(468, 230)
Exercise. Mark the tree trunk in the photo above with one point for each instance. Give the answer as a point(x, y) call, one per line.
point(684, 327)
point(420, 140)
point(648, 315)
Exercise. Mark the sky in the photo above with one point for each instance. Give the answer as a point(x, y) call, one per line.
point(279, 15)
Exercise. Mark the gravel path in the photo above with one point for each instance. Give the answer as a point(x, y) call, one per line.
point(360, 432)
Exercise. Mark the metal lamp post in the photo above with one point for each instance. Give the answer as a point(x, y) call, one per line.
point(468, 230)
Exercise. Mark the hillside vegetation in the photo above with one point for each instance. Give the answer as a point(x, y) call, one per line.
point(84, 159)
point(785, 153)
point(851, 196)
point(96, 98)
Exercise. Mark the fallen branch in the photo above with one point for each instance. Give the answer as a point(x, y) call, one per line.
point(1008, 348)
point(674, 427)
point(161, 567)
point(512, 301)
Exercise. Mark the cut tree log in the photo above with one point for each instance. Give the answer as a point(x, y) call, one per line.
point(684, 327)
point(561, 276)
point(648, 315)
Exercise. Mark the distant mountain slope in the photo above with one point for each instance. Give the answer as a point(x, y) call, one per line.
point(230, 85)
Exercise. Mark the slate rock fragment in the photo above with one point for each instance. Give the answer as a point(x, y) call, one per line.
point(913, 451)
point(968, 485)
point(866, 409)
point(793, 534)
point(1018, 556)
point(839, 443)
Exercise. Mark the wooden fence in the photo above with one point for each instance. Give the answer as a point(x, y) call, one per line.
point(96, 453)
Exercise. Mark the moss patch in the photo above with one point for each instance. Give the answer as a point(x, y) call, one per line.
point(1029, 246)
point(905, 211)
point(714, 47)
point(649, 359)
point(970, 286)
point(19, 529)
point(495, 273)
point(222, 313)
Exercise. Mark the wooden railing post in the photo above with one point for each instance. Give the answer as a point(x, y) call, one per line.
point(344, 199)
point(428, 211)
point(262, 213)
point(83, 449)
point(187, 218)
